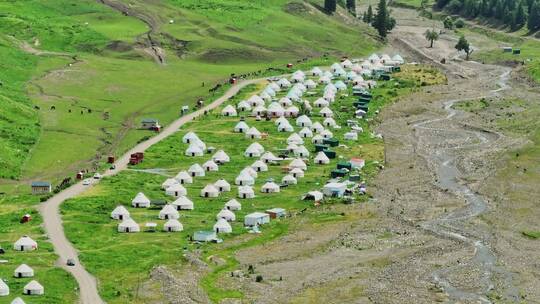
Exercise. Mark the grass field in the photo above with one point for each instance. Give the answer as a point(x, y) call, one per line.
point(122, 261)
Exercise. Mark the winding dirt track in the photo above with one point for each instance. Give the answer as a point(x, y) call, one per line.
point(52, 218)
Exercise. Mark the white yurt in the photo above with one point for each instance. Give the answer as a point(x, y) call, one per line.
point(321, 159)
point(397, 58)
point(227, 215)
point(183, 203)
point(298, 163)
point(120, 213)
point(244, 179)
point(305, 132)
point(183, 177)
point(326, 112)
point(321, 103)
point(128, 225)
point(209, 191)
point(346, 64)
point(340, 85)
point(229, 110)
point(258, 111)
point(222, 226)
point(291, 147)
point(243, 106)
point(324, 79)
point(329, 122)
point(292, 111)
point(189, 137)
point(317, 127)
point(340, 73)
point(173, 225)
point(351, 136)
point(140, 201)
point(169, 212)
point(303, 121)
point(23, 271)
point(246, 192)
point(385, 58)
point(275, 110)
point(17, 300)
point(253, 133)
point(289, 180)
point(168, 182)
point(317, 139)
point(295, 78)
point(326, 134)
point(285, 102)
point(250, 171)
point(210, 166)
point(310, 84)
point(222, 185)
point(270, 187)
point(301, 152)
point(176, 190)
point(233, 205)
point(283, 83)
point(221, 157)
point(196, 170)
point(335, 66)
point(330, 88)
point(259, 166)
point(280, 120)
point(255, 100)
point(256, 146)
point(241, 127)
point(265, 96)
point(297, 172)
point(295, 139)
point(4, 289)
point(252, 152)
point(268, 90)
point(316, 71)
point(194, 150)
point(351, 75)
point(34, 289)
point(274, 86)
point(285, 127)
point(269, 157)
point(374, 58)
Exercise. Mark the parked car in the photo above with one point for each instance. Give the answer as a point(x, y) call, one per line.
point(70, 262)
point(97, 176)
point(87, 182)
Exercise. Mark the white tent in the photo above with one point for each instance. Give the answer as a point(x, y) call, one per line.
point(265, 96)
point(274, 86)
point(228, 111)
point(281, 120)
point(173, 225)
point(17, 300)
point(233, 205)
point(292, 111)
point(25, 243)
point(176, 190)
point(196, 170)
point(321, 159)
point(140, 201)
point(23, 271)
point(298, 163)
point(255, 100)
point(351, 136)
point(316, 196)
point(241, 127)
point(222, 185)
point(169, 212)
point(295, 138)
point(330, 96)
point(194, 150)
point(329, 122)
point(335, 66)
point(258, 111)
point(297, 172)
point(128, 225)
point(303, 121)
point(324, 79)
point(305, 132)
point(285, 102)
point(283, 83)
point(4, 289)
point(244, 179)
point(268, 157)
point(254, 150)
point(374, 58)
point(250, 171)
point(34, 288)
point(397, 58)
point(351, 75)
point(268, 90)
point(326, 112)
point(189, 137)
point(330, 88)
point(270, 187)
point(275, 110)
point(183, 203)
point(340, 85)
point(222, 226)
point(221, 157)
point(289, 180)
point(326, 134)
point(321, 103)
point(385, 58)
point(317, 139)
point(246, 192)
point(120, 213)
point(243, 106)
point(209, 191)
point(285, 127)
point(317, 127)
point(291, 147)
point(301, 152)
point(210, 166)
point(253, 133)
point(295, 78)
point(183, 177)
point(226, 214)
point(259, 166)
point(256, 218)
point(346, 64)
point(340, 73)
point(168, 182)
point(316, 71)
point(310, 84)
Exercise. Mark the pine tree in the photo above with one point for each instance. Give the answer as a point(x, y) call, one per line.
point(368, 16)
point(519, 17)
point(382, 21)
point(351, 6)
point(330, 6)
point(534, 17)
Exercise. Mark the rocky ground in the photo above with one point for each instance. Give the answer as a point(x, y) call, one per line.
point(439, 228)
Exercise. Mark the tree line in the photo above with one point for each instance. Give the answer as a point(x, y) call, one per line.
point(512, 13)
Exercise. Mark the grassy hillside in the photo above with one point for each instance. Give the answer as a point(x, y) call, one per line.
point(100, 96)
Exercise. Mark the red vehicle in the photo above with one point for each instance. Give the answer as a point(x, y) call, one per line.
point(136, 158)
point(232, 80)
point(289, 65)
point(80, 175)
point(110, 159)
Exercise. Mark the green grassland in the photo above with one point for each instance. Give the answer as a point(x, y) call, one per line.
point(122, 85)
point(120, 261)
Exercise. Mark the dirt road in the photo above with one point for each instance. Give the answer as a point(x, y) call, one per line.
point(51, 214)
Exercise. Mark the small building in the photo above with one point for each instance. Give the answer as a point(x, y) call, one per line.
point(173, 225)
point(233, 205)
point(294, 138)
point(259, 166)
point(222, 185)
point(196, 170)
point(41, 187)
point(220, 157)
point(209, 191)
point(18, 300)
point(205, 236)
point(270, 187)
point(120, 213)
point(190, 137)
point(150, 124)
point(344, 165)
point(4, 289)
point(253, 133)
point(351, 136)
point(244, 179)
point(289, 180)
point(329, 122)
point(222, 226)
point(303, 121)
point(292, 111)
point(326, 112)
point(243, 106)
point(241, 127)
point(194, 150)
point(315, 196)
point(334, 189)
point(226, 214)
point(150, 227)
point(183, 177)
point(301, 152)
point(276, 212)
point(23, 271)
point(168, 182)
point(297, 173)
point(285, 102)
point(169, 212)
point(176, 190)
point(298, 163)
point(317, 127)
point(316, 71)
point(246, 192)
point(229, 110)
point(253, 151)
point(357, 163)
point(256, 219)
point(34, 289)
point(317, 139)
point(210, 166)
point(25, 243)
point(285, 127)
point(140, 201)
point(128, 226)
point(183, 203)
point(321, 159)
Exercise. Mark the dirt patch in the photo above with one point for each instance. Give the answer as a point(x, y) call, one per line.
point(233, 55)
point(119, 46)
